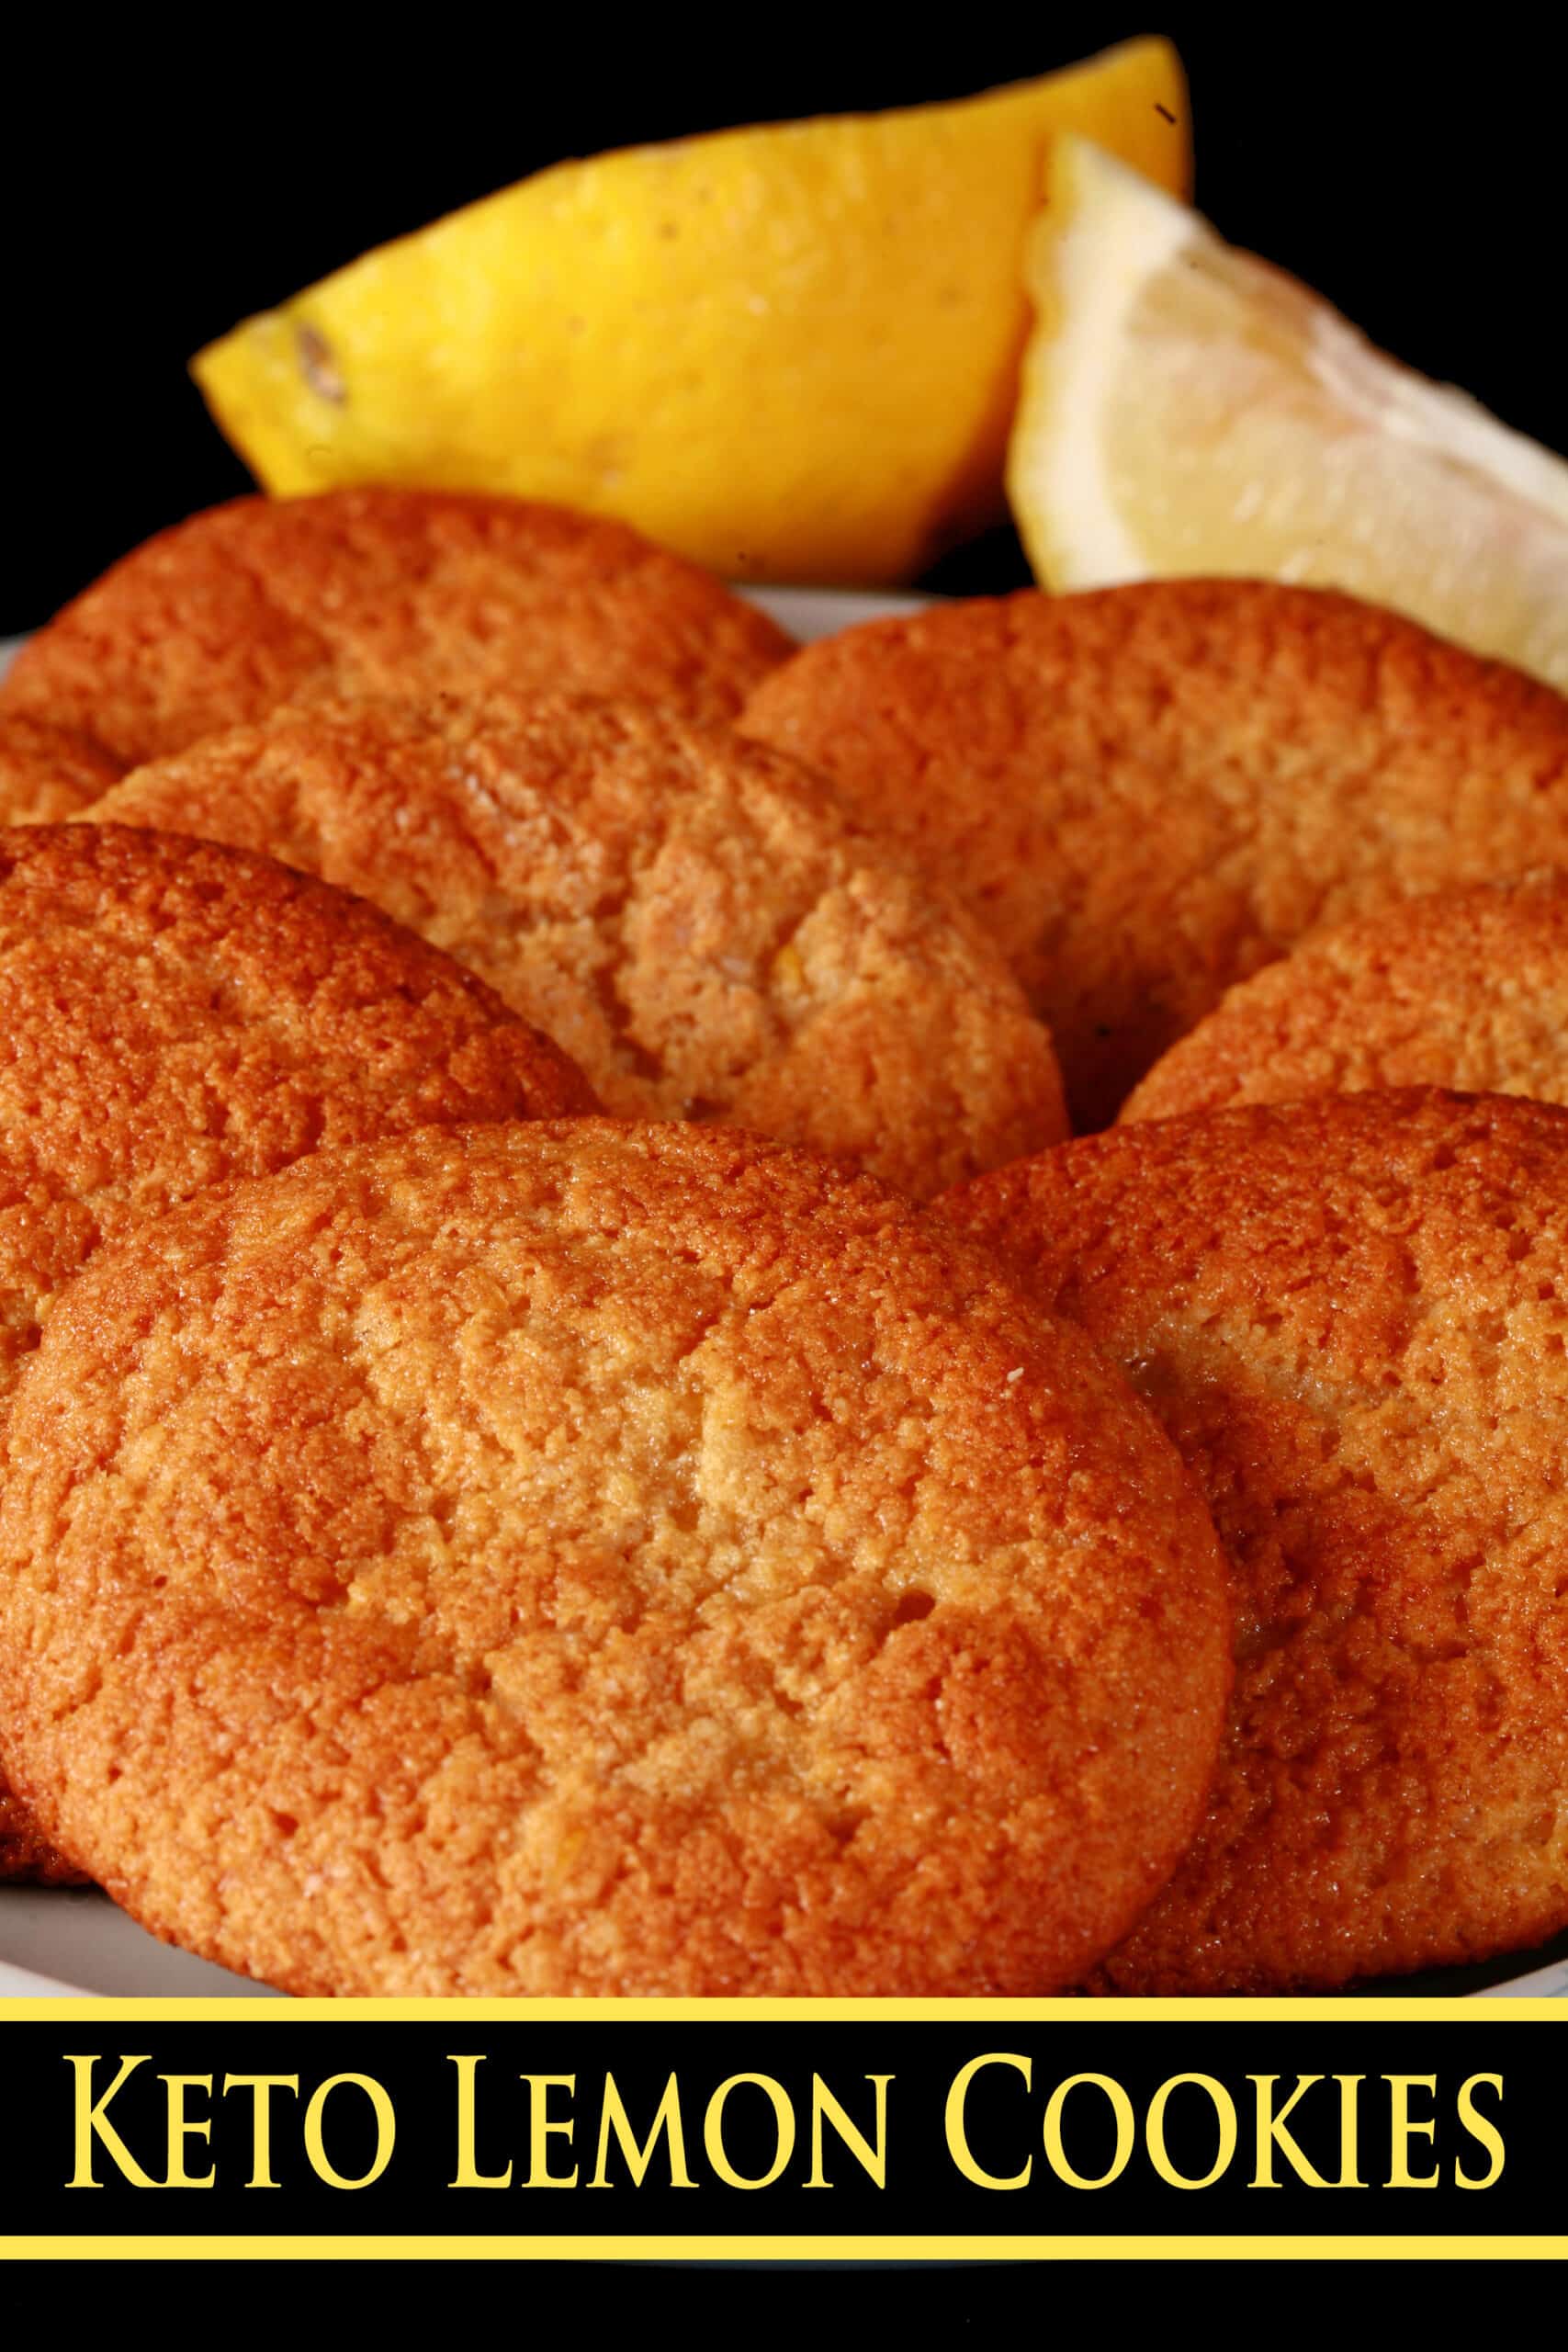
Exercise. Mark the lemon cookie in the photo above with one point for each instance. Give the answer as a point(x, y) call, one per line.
point(381, 591)
point(1467, 988)
point(1149, 792)
point(690, 916)
point(600, 1559)
point(173, 1013)
point(1351, 1315)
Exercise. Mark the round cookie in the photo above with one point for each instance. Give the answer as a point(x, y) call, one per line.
point(690, 916)
point(372, 591)
point(1467, 988)
point(1149, 792)
point(173, 1013)
point(600, 1559)
point(1352, 1315)
point(48, 772)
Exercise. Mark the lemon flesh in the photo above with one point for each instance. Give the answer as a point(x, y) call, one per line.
point(791, 353)
point(1187, 410)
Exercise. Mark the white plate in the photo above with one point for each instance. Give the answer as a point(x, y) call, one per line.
point(56, 1940)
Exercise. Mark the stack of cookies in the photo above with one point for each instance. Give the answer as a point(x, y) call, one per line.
point(572, 1421)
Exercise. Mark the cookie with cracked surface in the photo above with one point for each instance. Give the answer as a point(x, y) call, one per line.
point(1351, 1315)
point(1150, 792)
point(1467, 990)
point(690, 916)
point(48, 772)
point(378, 591)
point(600, 1559)
point(173, 1013)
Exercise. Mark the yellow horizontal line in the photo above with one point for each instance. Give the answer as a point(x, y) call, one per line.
point(1186, 2248)
point(523, 2011)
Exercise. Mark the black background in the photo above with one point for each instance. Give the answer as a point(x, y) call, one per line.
point(161, 184)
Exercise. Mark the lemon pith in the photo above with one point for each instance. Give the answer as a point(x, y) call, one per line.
point(790, 352)
point(1186, 409)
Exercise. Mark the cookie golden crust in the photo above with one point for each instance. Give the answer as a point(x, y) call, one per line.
point(26, 1856)
point(173, 1013)
point(1351, 1315)
point(600, 1559)
point(48, 773)
point(370, 591)
point(1150, 792)
point(690, 916)
point(1467, 990)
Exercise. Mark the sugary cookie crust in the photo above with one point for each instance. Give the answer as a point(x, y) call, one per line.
point(1150, 792)
point(173, 1013)
point(1467, 990)
point(47, 772)
point(692, 917)
point(377, 591)
point(1352, 1315)
point(593, 1559)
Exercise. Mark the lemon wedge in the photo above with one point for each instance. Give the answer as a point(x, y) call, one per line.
point(1187, 410)
point(789, 352)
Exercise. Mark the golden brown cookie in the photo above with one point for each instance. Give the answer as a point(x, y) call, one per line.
point(1149, 792)
point(1467, 988)
point(1352, 1315)
point(690, 916)
point(48, 772)
point(173, 1013)
point(600, 1559)
point(373, 591)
